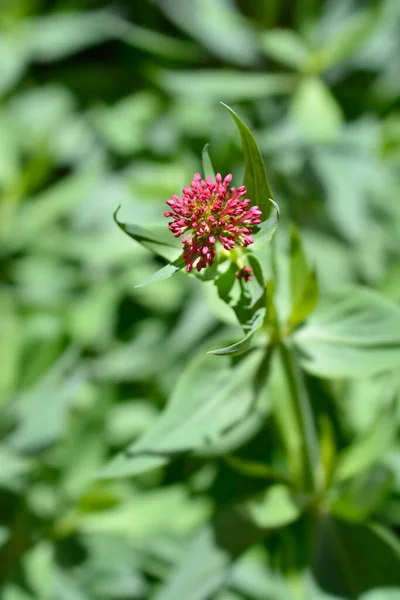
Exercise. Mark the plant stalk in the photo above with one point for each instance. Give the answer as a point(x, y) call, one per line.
point(304, 419)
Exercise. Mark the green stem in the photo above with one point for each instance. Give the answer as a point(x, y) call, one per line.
point(302, 412)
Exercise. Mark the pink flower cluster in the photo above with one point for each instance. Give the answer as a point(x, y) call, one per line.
point(209, 211)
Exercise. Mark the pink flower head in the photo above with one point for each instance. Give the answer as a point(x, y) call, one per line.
point(210, 211)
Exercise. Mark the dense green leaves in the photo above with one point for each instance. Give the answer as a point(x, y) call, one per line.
point(210, 399)
point(100, 376)
point(205, 565)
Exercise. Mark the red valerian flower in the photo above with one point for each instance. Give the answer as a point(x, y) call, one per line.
point(209, 211)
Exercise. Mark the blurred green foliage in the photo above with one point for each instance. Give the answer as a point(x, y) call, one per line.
point(106, 105)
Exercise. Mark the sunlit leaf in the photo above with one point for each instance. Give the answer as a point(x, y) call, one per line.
point(160, 241)
point(266, 230)
point(164, 272)
point(255, 174)
point(200, 410)
point(275, 507)
point(353, 332)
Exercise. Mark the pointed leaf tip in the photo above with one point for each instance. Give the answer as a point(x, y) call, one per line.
point(255, 174)
point(208, 169)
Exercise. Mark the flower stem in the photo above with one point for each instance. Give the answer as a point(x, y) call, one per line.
point(304, 419)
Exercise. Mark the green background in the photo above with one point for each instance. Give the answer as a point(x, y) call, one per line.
point(111, 104)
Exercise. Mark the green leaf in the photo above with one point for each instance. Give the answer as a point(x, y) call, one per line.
point(111, 567)
point(248, 301)
point(155, 42)
point(206, 563)
point(255, 174)
point(214, 25)
point(285, 46)
point(266, 229)
point(349, 37)
point(13, 61)
point(307, 301)
point(58, 35)
point(208, 169)
point(211, 397)
point(4, 535)
point(10, 342)
point(303, 281)
point(159, 241)
point(353, 332)
point(251, 468)
point(40, 422)
point(316, 111)
point(54, 203)
point(164, 272)
point(213, 84)
point(369, 448)
point(361, 497)
point(298, 265)
point(351, 559)
point(381, 594)
point(244, 344)
point(273, 508)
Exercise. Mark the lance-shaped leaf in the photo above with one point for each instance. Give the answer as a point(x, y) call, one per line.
point(303, 281)
point(164, 272)
point(160, 241)
point(255, 174)
point(208, 169)
point(267, 229)
point(211, 398)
